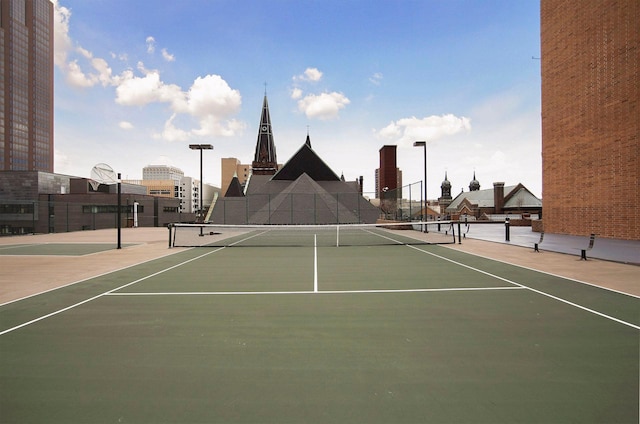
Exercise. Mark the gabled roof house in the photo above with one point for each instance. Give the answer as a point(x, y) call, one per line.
point(499, 200)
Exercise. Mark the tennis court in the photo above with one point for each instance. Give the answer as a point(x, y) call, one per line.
point(308, 332)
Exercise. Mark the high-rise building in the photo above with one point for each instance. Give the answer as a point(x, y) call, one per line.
point(590, 110)
point(162, 172)
point(26, 97)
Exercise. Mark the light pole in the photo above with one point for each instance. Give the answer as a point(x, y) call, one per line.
point(423, 144)
point(201, 147)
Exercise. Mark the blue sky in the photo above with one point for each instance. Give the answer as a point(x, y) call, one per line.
point(137, 81)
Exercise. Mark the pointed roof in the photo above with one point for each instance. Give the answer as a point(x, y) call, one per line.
point(305, 160)
point(264, 160)
point(235, 188)
point(446, 182)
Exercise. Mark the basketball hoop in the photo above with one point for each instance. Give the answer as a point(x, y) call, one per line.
point(102, 174)
point(94, 184)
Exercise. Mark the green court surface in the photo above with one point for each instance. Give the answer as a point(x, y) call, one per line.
point(58, 249)
point(380, 334)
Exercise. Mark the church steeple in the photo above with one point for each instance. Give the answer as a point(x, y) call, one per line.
point(308, 140)
point(265, 161)
point(474, 185)
point(445, 187)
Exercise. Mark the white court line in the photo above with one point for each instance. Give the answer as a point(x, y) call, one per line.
point(315, 263)
point(584, 308)
point(518, 285)
point(241, 293)
point(551, 273)
point(86, 279)
point(9, 330)
point(17, 246)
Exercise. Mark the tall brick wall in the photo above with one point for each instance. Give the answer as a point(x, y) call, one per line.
point(590, 117)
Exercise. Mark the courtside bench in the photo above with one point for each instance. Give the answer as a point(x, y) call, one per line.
point(583, 252)
point(535, 245)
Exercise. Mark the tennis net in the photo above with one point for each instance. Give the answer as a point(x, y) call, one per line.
point(220, 235)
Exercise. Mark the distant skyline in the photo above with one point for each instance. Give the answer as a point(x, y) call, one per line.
point(136, 82)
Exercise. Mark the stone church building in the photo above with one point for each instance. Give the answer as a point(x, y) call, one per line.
point(302, 191)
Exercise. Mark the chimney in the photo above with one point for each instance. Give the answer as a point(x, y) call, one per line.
point(498, 197)
point(360, 181)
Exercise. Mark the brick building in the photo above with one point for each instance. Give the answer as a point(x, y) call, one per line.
point(590, 117)
point(26, 81)
point(42, 202)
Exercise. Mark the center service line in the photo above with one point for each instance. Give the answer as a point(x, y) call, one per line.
point(315, 264)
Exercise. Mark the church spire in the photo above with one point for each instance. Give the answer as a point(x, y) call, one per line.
point(308, 140)
point(265, 161)
point(474, 185)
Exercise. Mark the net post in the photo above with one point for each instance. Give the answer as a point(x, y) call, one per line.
point(169, 227)
point(337, 235)
point(459, 234)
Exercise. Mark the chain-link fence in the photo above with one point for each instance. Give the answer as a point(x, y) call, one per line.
point(403, 204)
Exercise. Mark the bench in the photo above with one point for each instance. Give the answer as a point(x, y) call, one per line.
point(583, 252)
point(535, 245)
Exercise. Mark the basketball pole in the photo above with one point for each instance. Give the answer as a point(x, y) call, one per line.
point(119, 213)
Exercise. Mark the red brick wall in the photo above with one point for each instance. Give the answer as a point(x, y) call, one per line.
point(590, 117)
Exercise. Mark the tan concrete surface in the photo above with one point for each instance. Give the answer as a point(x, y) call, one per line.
point(22, 276)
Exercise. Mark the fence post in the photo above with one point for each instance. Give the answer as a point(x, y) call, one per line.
point(506, 229)
point(33, 217)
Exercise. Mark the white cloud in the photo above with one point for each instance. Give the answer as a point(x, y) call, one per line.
point(211, 95)
point(151, 44)
point(212, 101)
point(296, 93)
point(376, 78)
point(75, 76)
point(405, 131)
point(310, 74)
point(211, 126)
point(324, 106)
point(209, 100)
point(125, 125)
point(171, 132)
point(139, 91)
point(168, 56)
point(62, 43)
